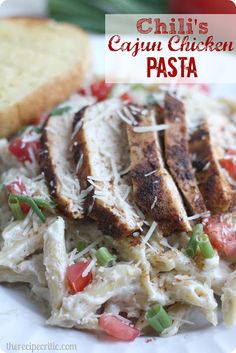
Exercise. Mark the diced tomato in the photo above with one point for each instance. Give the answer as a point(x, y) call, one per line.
point(18, 187)
point(101, 90)
point(230, 165)
point(25, 207)
point(75, 279)
point(221, 235)
point(117, 328)
point(98, 89)
point(126, 97)
point(24, 146)
point(82, 91)
point(41, 118)
point(229, 162)
point(230, 152)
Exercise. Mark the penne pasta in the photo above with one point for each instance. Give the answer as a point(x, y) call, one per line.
point(229, 300)
point(55, 261)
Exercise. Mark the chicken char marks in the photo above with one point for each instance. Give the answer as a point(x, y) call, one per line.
point(215, 188)
point(100, 142)
point(177, 154)
point(57, 164)
point(154, 189)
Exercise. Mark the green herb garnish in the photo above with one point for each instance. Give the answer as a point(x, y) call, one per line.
point(205, 247)
point(193, 242)
point(34, 203)
point(104, 257)
point(15, 207)
point(158, 318)
point(60, 111)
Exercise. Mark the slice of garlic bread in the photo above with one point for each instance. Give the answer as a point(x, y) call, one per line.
point(41, 63)
point(101, 152)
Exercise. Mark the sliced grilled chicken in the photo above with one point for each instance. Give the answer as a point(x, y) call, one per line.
point(177, 154)
point(154, 189)
point(101, 151)
point(215, 188)
point(57, 162)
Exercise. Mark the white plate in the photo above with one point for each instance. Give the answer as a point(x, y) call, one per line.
point(23, 322)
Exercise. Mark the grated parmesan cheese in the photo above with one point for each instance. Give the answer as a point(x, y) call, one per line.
point(150, 173)
point(150, 232)
point(80, 163)
point(150, 128)
point(88, 248)
point(154, 202)
point(124, 118)
point(89, 267)
point(200, 215)
point(207, 166)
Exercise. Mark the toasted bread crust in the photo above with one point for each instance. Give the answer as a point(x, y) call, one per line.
point(216, 190)
point(46, 96)
point(151, 180)
point(177, 154)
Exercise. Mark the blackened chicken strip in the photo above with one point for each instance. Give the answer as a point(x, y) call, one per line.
point(177, 154)
point(100, 147)
point(216, 190)
point(154, 189)
point(57, 163)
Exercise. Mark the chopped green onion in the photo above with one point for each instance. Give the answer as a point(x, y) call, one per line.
point(37, 129)
point(30, 201)
point(205, 246)
point(15, 207)
point(22, 130)
point(31, 128)
point(193, 242)
point(104, 257)
point(60, 111)
point(158, 318)
point(44, 203)
point(81, 246)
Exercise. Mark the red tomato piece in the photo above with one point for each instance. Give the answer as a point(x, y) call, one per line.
point(230, 152)
point(75, 279)
point(18, 187)
point(25, 207)
point(82, 91)
point(221, 235)
point(24, 146)
point(101, 90)
point(117, 328)
point(230, 165)
point(126, 97)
